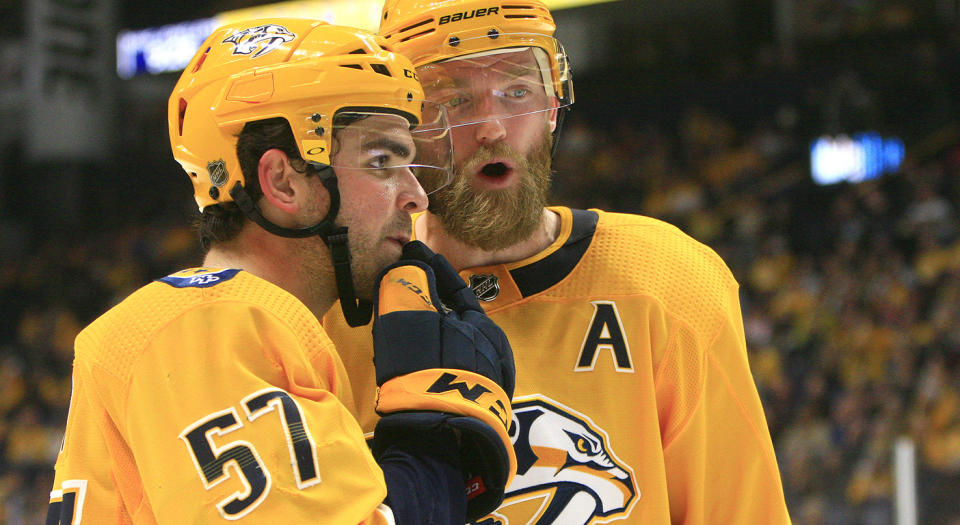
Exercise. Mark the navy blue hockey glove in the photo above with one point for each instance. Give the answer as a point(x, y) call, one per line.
point(442, 363)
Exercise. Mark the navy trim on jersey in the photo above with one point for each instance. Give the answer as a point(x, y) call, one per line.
point(537, 277)
point(203, 279)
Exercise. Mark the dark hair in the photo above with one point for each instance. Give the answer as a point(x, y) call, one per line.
point(222, 222)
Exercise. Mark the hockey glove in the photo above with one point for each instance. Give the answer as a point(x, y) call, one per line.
point(443, 365)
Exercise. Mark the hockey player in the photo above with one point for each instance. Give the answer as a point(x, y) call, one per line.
point(634, 399)
point(213, 394)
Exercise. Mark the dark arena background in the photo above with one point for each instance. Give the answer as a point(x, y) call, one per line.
point(815, 144)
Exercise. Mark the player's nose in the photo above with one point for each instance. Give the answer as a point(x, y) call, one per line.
point(411, 197)
point(490, 131)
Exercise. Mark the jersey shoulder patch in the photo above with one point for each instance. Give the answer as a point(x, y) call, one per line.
point(199, 277)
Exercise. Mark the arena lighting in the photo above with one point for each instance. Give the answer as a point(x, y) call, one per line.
point(169, 48)
point(161, 49)
point(854, 159)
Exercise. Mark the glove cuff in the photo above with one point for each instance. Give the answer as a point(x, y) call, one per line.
point(487, 461)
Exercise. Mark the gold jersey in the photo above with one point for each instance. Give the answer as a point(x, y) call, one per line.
point(634, 400)
point(212, 396)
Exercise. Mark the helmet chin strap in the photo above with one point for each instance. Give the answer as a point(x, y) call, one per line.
point(561, 113)
point(357, 312)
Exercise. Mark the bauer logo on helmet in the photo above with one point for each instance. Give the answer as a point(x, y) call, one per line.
point(466, 15)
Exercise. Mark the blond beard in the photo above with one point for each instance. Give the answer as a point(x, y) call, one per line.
point(496, 219)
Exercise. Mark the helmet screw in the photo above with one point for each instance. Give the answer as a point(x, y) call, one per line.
point(454, 41)
point(214, 192)
point(493, 33)
point(316, 117)
point(409, 97)
point(319, 131)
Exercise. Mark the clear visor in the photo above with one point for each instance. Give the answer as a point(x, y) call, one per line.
point(383, 141)
point(498, 84)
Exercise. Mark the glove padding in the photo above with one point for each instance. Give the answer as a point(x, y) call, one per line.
point(443, 364)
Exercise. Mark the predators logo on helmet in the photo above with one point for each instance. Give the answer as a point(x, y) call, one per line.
point(262, 39)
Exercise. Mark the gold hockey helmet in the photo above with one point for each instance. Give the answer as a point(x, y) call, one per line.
point(434, 32)
point(305, 71)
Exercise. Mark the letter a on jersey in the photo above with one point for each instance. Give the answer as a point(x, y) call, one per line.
point(605, 333)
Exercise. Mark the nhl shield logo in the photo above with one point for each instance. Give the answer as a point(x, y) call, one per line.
point(218, 172)
point(486, 286)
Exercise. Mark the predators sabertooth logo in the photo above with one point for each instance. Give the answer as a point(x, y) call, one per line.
point(260, 40)
point(564, 468)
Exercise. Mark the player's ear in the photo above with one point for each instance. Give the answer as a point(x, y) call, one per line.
point(275, 174)
point(552, 114)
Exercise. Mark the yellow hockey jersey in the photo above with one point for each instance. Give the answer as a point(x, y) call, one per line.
point(634, 400)
point(212, 396)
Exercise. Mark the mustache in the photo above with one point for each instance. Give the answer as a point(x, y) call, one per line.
point(486, 153)
point(402, 223)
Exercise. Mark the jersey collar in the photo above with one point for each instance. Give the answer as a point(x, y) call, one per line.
point(501, 285)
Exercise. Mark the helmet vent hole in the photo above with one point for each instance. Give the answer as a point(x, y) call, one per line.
point(530, 17)
point(193, 175)
point(200, 61)
point(414, 26)
point(382, 69)
point(182, 112)
point(352, 66)
point(358, 52)
point(427, 32)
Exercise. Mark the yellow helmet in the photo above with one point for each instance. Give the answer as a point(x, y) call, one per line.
point(430, 31)
point(302, 70)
